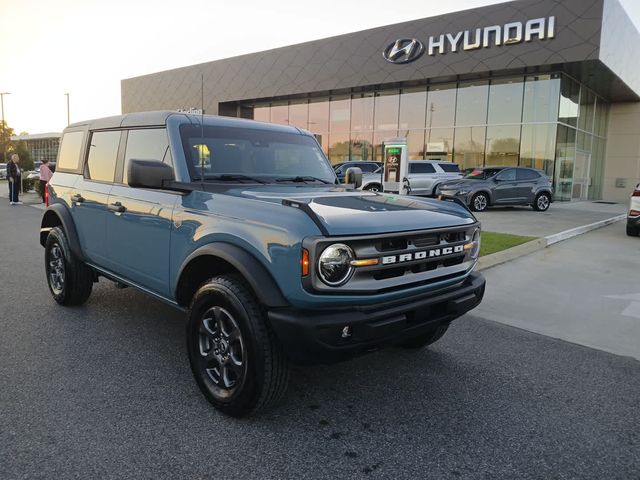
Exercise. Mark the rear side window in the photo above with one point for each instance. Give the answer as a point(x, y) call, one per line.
point(450, 167)
point(103, 151)
point(527, 175)
point(421, 168)
point(508, 175)
point(148, 144)
point(367, 167)
point(69, 156)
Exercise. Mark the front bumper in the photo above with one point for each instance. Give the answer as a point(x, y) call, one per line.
point(454, 195)
point(315, 336)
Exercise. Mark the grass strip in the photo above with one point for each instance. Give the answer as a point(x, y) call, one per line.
point(492, 242)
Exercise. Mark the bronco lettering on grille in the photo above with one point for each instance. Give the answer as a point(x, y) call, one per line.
point(432, 253)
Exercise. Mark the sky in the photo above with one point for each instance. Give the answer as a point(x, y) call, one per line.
point(86, 47)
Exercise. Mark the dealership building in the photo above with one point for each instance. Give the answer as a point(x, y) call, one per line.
point(552, 84)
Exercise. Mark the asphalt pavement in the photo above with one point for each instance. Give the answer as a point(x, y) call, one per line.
point(105, 391)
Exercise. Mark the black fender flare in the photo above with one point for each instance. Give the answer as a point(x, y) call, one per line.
point(62, 213)
point(256, 275)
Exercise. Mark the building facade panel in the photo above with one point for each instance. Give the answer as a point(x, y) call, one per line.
point(519, 83)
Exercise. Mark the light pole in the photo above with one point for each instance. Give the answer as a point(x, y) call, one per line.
point(67, 95)
point(4, 144)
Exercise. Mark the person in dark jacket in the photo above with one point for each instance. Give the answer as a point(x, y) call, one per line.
point(14, 174)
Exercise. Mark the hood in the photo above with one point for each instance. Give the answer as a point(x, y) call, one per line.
point(339, 211)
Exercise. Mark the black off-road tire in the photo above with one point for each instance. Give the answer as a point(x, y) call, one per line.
point(542, 202)
point(633, 231)
point(427, 338)
point(477, 202)
point(373, 187)
point(226, 319)
point(70, 281)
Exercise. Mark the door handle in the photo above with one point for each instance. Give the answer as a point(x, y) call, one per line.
point(77, 198)
point(117, 207)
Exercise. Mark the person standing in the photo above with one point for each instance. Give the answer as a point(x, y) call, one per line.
point(14, 174)
point(45, 176)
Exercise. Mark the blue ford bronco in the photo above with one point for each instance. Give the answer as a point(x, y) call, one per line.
point(244, 226)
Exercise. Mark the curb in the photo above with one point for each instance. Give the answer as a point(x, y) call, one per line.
point(512, 253)
point(574, 232)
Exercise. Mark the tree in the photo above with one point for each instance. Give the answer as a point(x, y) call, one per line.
point(5, 139)
point(26, 162)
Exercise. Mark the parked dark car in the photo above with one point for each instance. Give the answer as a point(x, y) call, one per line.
point(364, 165)
point(492, 186)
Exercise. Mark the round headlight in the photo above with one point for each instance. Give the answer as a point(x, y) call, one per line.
point(476, 244)
point(334, 265)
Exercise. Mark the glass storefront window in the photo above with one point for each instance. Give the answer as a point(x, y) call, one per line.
point(597, 168)
point(338, 147)
point(441, 105)
point(361, 146)
point(319, 116)
point(541, 98)
point(505, 101)
point(262, 113)
point(601, 118)
point(339, 114)
point(565, 156)
point(386, 110)
point(537, 147)
point(378, 139)
point(503, 145)
point(362, 112)
point(439, 144)
point(587, 110)
point(471, 105)
point(569, 101)
point(413, 109)
point(468, 147)
point(298, 114)
point(415, 144)
point(323, 140)
point(280, 114)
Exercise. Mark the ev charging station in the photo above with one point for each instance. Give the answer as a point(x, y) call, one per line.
point(396, 166)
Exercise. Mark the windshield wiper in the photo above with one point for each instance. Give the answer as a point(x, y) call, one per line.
point(230, 177)
point(303, 178)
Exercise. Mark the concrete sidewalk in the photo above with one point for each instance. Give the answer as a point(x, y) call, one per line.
point(561, 222)
point(560, 217)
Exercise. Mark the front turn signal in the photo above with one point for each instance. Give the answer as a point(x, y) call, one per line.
point(304, 262)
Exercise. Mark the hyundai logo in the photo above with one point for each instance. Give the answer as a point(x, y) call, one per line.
point(403, 50)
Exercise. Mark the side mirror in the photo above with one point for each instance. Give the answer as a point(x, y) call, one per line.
point(354, 176)
point(149, 174)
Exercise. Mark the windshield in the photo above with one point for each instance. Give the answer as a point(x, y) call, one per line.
point(253, 155)
point(482, 174)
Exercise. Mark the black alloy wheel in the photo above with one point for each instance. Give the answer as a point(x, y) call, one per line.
point(542, 202)
point(479, 202)
point(222, 353)
point(70, 281)
point(236, 360)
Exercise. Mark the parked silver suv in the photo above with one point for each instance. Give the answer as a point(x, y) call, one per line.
point(425, 176)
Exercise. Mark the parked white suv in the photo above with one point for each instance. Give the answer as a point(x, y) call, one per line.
point(425, 176)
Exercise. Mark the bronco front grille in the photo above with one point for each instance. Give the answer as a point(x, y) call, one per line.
point(404, 259)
